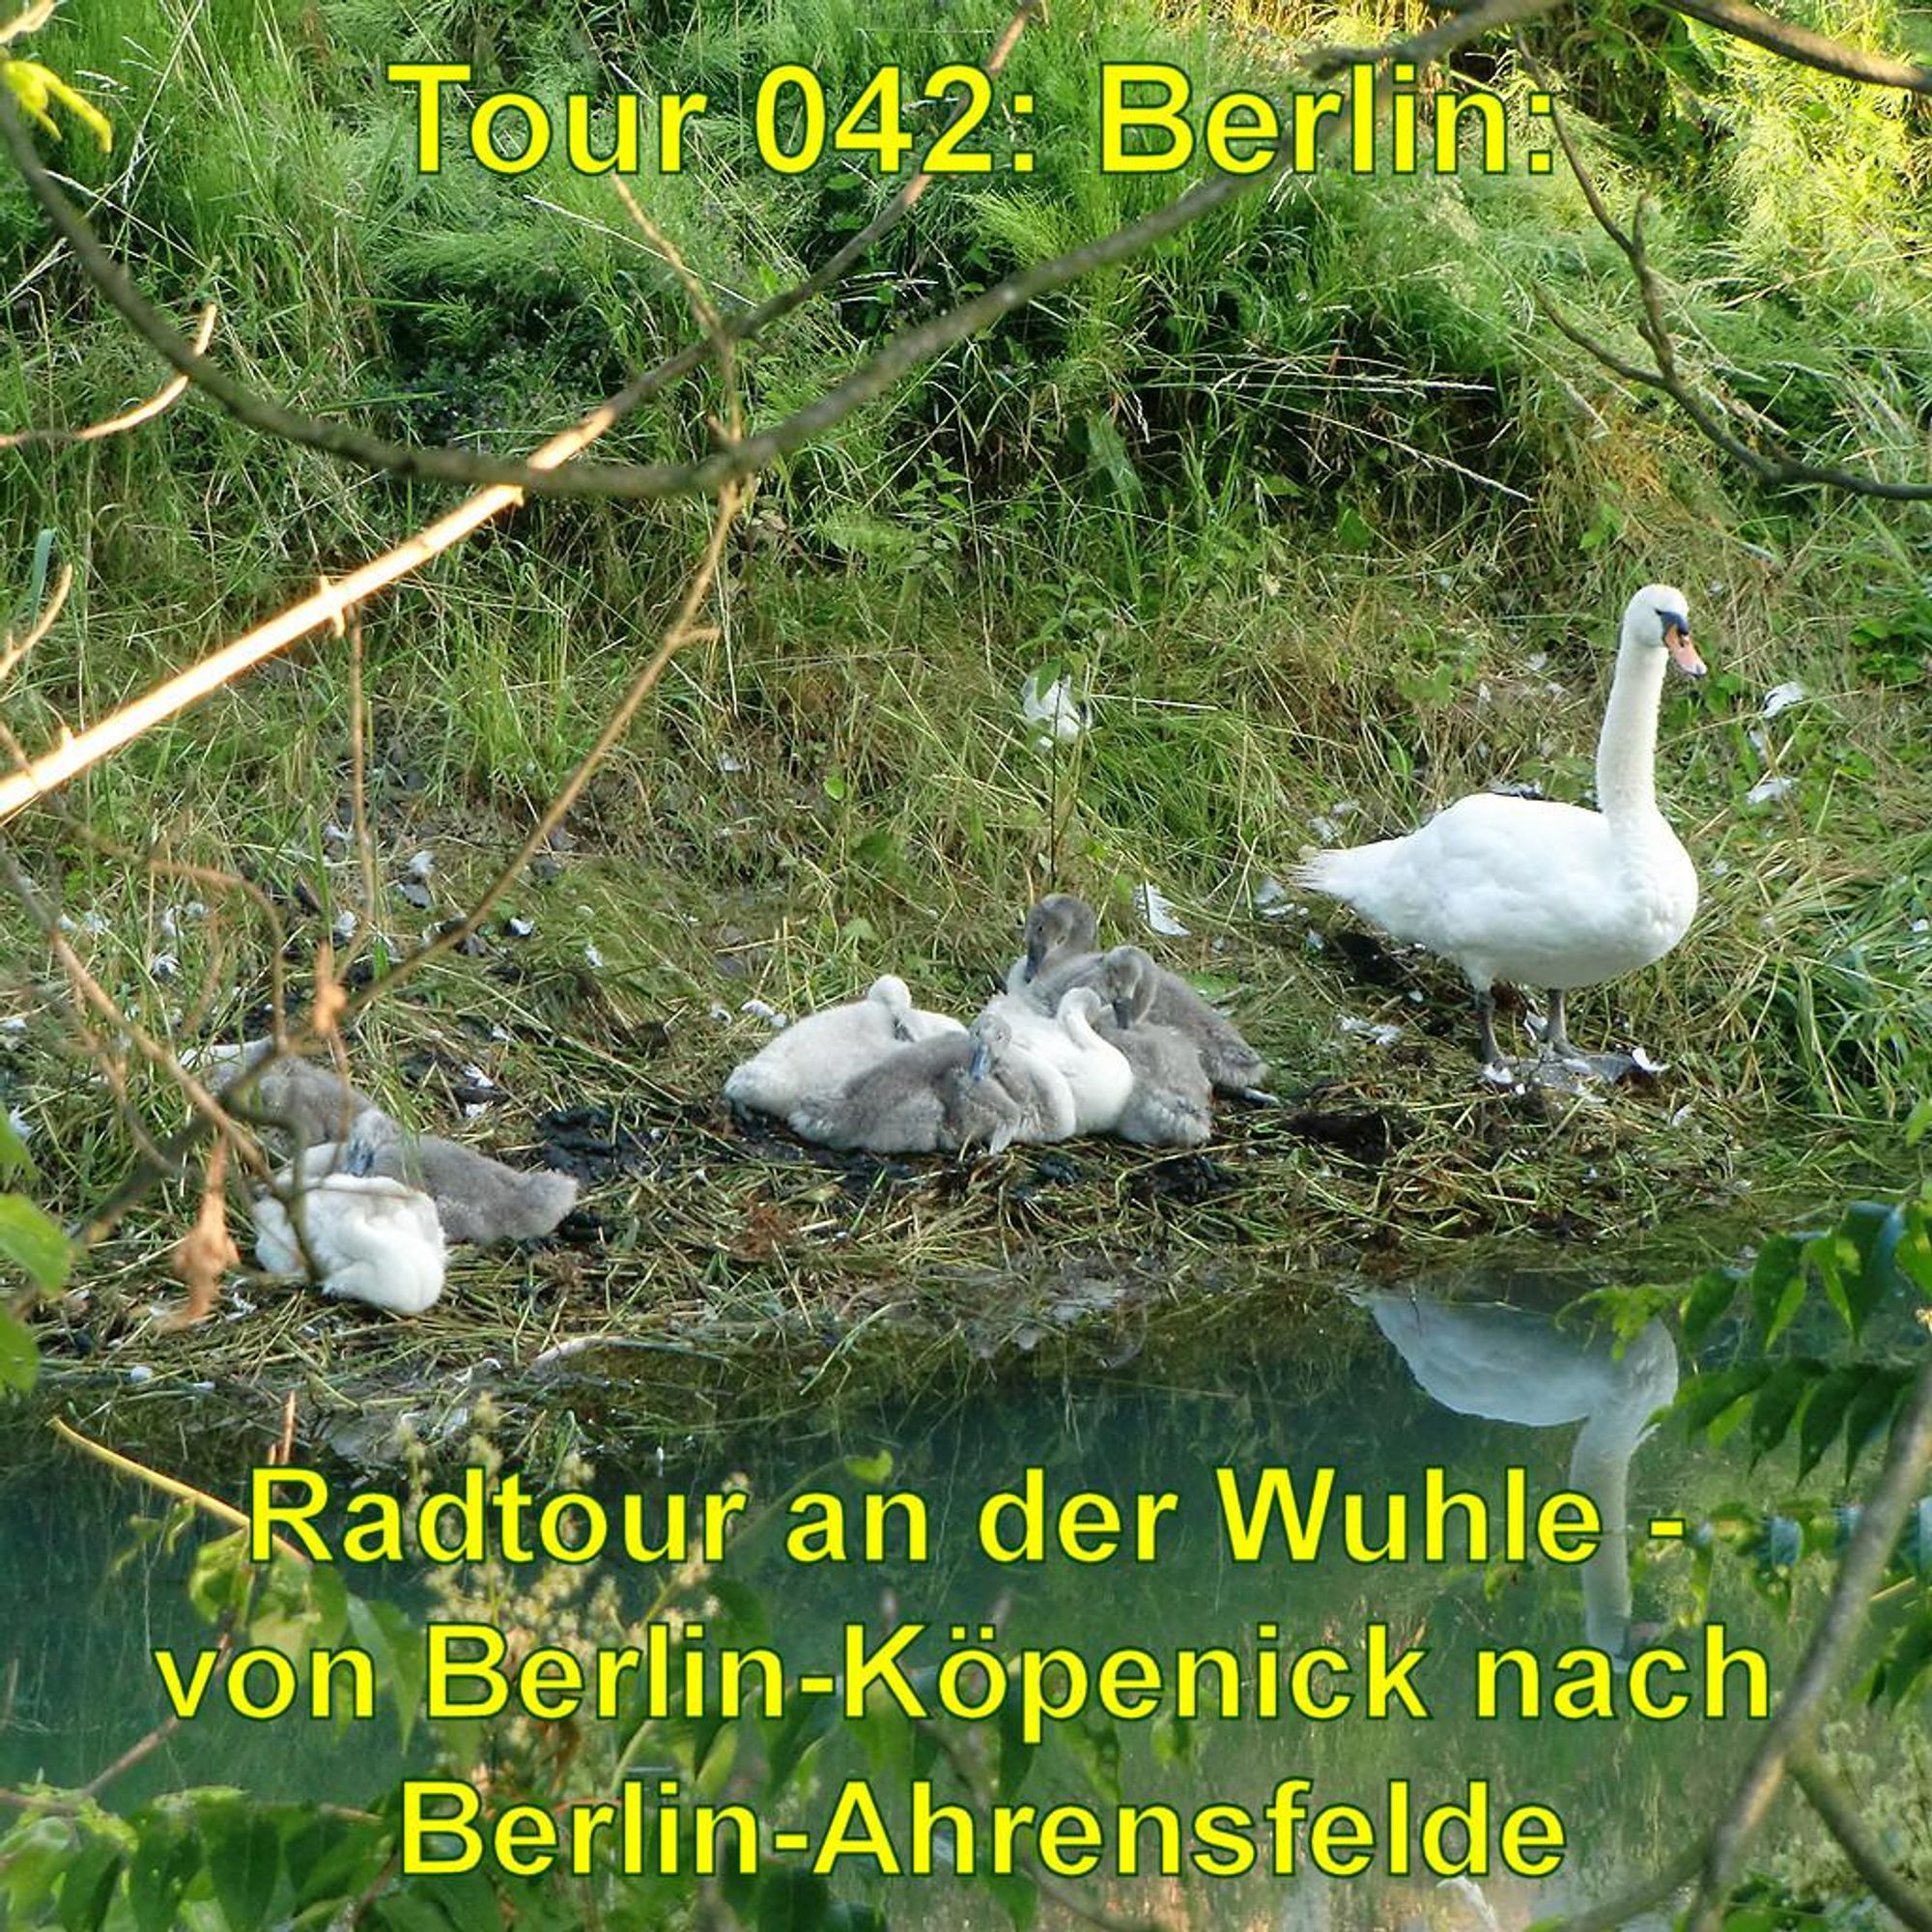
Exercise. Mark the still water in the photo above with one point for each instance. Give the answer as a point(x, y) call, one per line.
point(1491, 1406)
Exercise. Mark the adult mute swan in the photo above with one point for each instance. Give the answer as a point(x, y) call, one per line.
point(369, 1238)
point(941, 1096)
point(817, 1055)
point(1537, 892)
point(1127, 973)
point(1095, 1070)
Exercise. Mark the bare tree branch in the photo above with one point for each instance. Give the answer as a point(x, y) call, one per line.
point(438, 461)
point(1802, 44)
point(1774, 467)
point(1795, 1724)
point(1838, 1810)
point(1717, 1855)
point(164, 398)
point(682, 631)
point(1461, 27)
point(12, 651)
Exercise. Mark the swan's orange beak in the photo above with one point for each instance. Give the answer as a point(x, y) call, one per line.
point(1683, 652)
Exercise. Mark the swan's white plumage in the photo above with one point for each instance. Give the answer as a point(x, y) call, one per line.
point(1505, 1363)
point(816, 1056)
point(1536, 892)
point(1095, 1070)
point(1129, 979)
point(371, 1238)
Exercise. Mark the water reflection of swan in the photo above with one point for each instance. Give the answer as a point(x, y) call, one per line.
point(1512, 1366)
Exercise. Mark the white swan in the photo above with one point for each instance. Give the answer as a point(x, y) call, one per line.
point(1061, 929)
point(1095, 1070)
point(1127, 977)
point(369, 1238)
point(1512, 1366)
point(941, 1095)
point(817, 1055)
point(1536, 892)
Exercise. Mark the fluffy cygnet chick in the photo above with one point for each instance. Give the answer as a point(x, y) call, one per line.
point(308, 1102)
point(1171, 1104)
point(1094, 1068)
point(1127, 974)
point(944, 1094)
point(1060, 929)
point(817, 1055)
point(477, 1199)
point(369, 1239)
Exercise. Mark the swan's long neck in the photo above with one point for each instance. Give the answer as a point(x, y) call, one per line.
point(1627, 746)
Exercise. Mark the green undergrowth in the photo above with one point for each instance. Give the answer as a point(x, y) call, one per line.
point(1325, 525)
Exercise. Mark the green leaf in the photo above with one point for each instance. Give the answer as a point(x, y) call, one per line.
point(164, 1860)
point(405, 1912)
point(87, 1889)
point(1825, 1414)
point(1912, 1255)
point(14, 1159)
point(1907, 1660)
point(1871, 1410)
point(793, 1901)
point(32, 1241)
point(395, 1647)
point(20, 1360)
point(244, 1859)
point(1712, 1293)
point(1776, 1403)
point(1872, 1231)
point(335, 1858)
point(873, 1469)
point(1779, 1264)
point(1710, 1397)
point(1015, 1894)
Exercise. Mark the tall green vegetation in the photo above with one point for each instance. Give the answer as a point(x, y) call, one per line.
point(1311, 499)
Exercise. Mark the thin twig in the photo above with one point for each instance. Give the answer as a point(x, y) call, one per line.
point(170, 1485)
point(1838, 1810)
point(437, 460)
point(15, 651)
point(1796, 1722)
point(682, 631)
point(1805, 46)
point(1773, 468)
point(164, 398)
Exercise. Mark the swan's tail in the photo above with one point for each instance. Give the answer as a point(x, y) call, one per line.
point(1348, 874)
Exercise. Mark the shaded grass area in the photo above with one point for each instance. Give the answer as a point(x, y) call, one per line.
point(1325, 529)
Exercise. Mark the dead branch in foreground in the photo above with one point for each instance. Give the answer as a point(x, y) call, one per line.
point(1774, 466)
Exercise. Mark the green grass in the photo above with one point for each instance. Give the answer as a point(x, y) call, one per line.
point(1310, 502)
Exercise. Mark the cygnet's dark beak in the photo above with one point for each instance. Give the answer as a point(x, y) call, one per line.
point(359, 1157)
point(1683, 652)
point(1124, 1011)
point(982, 1060)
